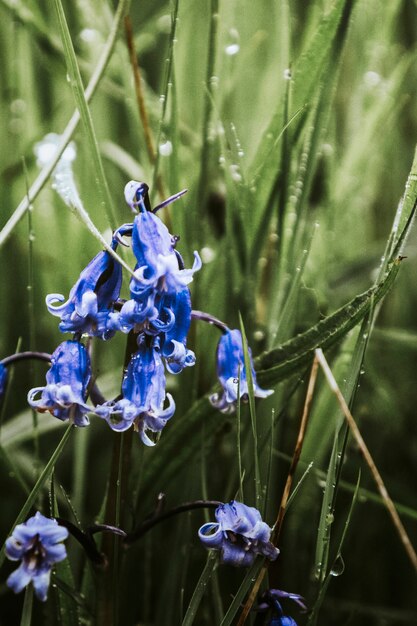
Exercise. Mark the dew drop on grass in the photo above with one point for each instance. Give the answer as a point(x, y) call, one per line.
point(165, 148)
point(232, 47)
point(338, 567)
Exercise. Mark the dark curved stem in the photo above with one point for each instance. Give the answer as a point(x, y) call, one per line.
point(210, 319)
point(25, 356)
point(95, 393)
point(105, 528)
point(149, 523)
point(86, 540)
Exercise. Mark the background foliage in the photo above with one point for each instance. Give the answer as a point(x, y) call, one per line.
point(293, 126)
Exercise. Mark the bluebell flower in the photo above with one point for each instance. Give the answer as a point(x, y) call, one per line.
point(143, 390)
point(270, 600)
point(240, 534)
point(3, 379)
point(229, 358)
point(174, 347)
point(38, 545)
point(89, 308)
point(67, 380)
point(159, 266)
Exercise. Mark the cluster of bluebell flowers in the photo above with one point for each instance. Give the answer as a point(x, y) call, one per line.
point(38, 545)
point(158, 313)
point(239, 533)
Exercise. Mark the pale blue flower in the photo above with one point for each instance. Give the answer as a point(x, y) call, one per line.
point(239, 533)
point(38, 545)
point(64, 395)
point(230, 360)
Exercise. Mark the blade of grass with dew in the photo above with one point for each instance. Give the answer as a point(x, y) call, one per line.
point(38, 486)
point(296, 353)
point(46, 171)
point(309, 66)
point(66, 609)
point(26, 618)
point(83, 108)
point(364, 494)
point(326, 515)
point(337, 562)
point(200, 588)
point(247, 582)
point(252, 411)
point(306, 78)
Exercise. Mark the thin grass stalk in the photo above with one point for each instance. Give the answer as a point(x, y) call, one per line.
point(26, 618)
point(284, 500)
point(38, 486)
point(82, 104)
point(66, 136)
point(389, 504)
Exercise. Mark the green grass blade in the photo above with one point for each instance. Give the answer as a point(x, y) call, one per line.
point(247, 583)
point(200, 588)
point(43, 176)
point(82, 105)
point(252, 411)
point(26, 618)
point(326, 516)
point(38, 486)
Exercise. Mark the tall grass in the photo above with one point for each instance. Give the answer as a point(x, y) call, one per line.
point(293, 127)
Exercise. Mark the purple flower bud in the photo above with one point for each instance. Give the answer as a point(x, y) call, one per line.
point(240, 534)
point(67, 380)
point(230, 358)
point(38, 545)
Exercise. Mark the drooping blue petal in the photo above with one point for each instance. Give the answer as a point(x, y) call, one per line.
point(3, 379)
point(135, 313)
point(91, 299)
point(174, 349)
point(143, 390)
point(230, 359)
point(158, 266)
point(67, 380)
point(240, 534)
point(38, 544)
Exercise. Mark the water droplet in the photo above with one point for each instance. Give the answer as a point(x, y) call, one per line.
point(234, 173)
point(287, 74)
point(18, 106)
point(338, 566)
point(164, 24)
point(329, 518)
point(232, 49)
point(88, 35)
point(207, 254)
point(372, 79)
point(165, 149)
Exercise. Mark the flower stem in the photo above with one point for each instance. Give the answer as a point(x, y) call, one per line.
point(149, 523)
